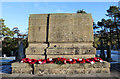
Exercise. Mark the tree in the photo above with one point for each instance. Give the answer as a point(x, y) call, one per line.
point(95, 27)
point(114, 14)
point(16, 30)
point(81, 11)
point(9, 44)
point(96, 42)
point(5, 31)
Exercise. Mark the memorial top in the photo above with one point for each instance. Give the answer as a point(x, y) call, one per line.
point(60, 28)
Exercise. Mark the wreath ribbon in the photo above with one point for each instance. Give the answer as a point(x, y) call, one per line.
point(41, 61)
point(90, 60)
point(80, 60)
point(71, 61)
point(98, 59)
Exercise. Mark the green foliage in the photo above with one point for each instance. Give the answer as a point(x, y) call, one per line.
point(81, 11)
point(16, 30)
point(96, 42)
point(10, 43)
point(112, 11)
point(108, 30)
point(5, 30)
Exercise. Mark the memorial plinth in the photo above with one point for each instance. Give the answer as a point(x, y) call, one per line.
point(67, 35)
point(60, 34)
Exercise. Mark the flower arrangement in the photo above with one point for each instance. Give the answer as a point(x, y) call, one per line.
point(61, 60)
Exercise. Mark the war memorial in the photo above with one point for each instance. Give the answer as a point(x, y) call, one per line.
point(67, 35)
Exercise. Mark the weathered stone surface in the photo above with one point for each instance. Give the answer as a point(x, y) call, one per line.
point(19, 65)
point(21, 68)
point(72, 56)
point(37, 27)
point(61, 45)
point(97, 65)
point(60, 28)
point(70, 48)
point(86, 68)
point(61, 51)
point(97, 71)
point(60, 34)
point(55, 56)
point(83, 28)
point(83, 51)
point(59, 71)
point(70, 45)
point(34, 51)
point(38, 45)
point(35, 56)
point(73, 66)
point(70, 28)
point(36, 48)
point(71, 51)
point(57, 66)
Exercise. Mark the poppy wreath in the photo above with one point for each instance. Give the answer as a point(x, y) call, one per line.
point(98, 59)
point(90, 60)
point(25, 60)
point(41, 61)
point(59, 60)
point(80, 60)
point(32, 61)
point(63, 60)
point(71, 61)
point(50, 60)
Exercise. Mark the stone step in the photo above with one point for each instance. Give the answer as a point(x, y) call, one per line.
point(34, 56)
point(73, 71)
point(72, 56)
point(60, 51)
point(70, 51)
point(86, 68)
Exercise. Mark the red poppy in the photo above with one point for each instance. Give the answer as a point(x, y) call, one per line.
point(80, 60)
point(71, 61)
point(50, 60)
point(90, 60)
point(41, 61)
point(98, 59)
point(25, 60)
point(63, 60)
point(32, 61)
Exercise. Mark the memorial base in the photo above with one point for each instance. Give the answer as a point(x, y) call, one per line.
point(39, 69)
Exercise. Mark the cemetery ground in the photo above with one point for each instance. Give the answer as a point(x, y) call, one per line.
point(5, 69)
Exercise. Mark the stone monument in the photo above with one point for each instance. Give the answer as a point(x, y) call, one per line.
point(21, 53)
point(56, 35)
point(67, 35)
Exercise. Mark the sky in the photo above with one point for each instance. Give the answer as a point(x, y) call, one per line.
point(16, 14)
